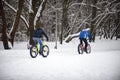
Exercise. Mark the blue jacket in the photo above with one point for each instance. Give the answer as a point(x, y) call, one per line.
point(38, 33)
point(85, 34)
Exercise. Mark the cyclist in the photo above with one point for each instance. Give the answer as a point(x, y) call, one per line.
point(38, 34)
point(83, 37)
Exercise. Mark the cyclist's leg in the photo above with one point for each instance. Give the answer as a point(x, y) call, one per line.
point(86, 44)
point(81, 40)
point(40, 42)
point(35, 41)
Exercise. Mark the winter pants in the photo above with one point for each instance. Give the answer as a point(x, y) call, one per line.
point(38, 40)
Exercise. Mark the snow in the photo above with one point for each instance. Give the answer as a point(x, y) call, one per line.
point(30, 7)
point(63, 63)
point(38, 12)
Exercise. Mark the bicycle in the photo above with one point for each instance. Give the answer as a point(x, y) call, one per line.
point(34, 50)
point(81, 48)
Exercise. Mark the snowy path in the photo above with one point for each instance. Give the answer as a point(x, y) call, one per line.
point(62, 64)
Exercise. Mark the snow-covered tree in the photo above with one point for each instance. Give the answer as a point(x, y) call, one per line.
point(4, 33)
point(35, 14)
point(64, 20)
point(16, 21)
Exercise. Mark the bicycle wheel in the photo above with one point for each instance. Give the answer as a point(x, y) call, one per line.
point(33, 52)
point(45, 51)
point(89, 48)
point(80, 50)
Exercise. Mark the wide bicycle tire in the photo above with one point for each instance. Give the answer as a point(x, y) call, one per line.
point(45, 51)
point(33, 51)
point(89, 49)
point(80, 50)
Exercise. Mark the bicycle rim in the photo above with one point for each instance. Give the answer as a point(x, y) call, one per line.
point(89, 48)
point(80, 51)
point(33, 52)
point(45, 52)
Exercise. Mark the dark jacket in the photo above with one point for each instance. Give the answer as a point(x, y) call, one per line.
point(38, 33)
point(84, 34)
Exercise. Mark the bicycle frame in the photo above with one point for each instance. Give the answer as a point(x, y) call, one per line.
point(38, 46)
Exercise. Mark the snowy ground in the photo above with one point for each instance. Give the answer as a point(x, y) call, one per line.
point(62, 64)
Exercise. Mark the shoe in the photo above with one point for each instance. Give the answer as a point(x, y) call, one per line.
point(86, 51)
point(40, 52)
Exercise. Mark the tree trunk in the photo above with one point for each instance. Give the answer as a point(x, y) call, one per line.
point(31, 21)
point(64, 19)
point(4, 33)
point(16, 22)
point(31, 27)
point(93, 29)
point(118, 24)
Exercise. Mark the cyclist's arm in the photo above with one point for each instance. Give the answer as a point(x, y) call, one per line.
point(89, 35)
point(45, 36)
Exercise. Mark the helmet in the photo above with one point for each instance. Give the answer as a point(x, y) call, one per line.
point(87, 29)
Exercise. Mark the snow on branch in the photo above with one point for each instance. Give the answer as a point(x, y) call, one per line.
point(30, 7)
point(24, 20)
point(11, 28)
point(76, 16)
point(85, 5)
point(70, 37)
point(10, 6)
point(102, 2)
point(59, 9)
point(110, 3)
point(116, 5)
point(103, 16)
point(38, 12)
point(85, 20)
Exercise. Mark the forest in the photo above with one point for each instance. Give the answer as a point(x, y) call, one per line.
point(61, 19)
